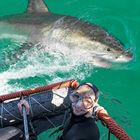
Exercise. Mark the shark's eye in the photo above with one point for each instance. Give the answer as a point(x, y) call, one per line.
point(108, 49)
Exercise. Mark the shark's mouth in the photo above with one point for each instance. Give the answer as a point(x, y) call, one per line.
point(122, 57)
point(126, 56)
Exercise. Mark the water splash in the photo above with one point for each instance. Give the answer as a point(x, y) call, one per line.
point(53, 63)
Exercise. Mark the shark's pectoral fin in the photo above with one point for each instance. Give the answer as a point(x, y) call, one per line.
point(100, 62)
point(36, 6)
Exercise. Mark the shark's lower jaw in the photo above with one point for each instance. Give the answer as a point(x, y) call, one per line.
point(100, 62)
point(124, 58)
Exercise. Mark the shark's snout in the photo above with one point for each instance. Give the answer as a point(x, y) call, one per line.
point(125, 57)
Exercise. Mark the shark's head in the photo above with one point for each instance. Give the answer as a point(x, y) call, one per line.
point(110, 49)
point(124, 56)
point(101, 44)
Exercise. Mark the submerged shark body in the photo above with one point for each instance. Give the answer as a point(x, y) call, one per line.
point(38, 24)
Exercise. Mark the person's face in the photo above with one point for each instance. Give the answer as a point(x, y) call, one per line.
point(82, 100)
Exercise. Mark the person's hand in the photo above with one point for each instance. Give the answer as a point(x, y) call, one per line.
point(24, 103)
point(100, 109)
point(113, 127)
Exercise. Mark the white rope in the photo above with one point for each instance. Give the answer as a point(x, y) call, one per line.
point(64, 118)
point(1, 114)
point(41, 105)
point(50, 121)
point(11, 114)
point(32, 114)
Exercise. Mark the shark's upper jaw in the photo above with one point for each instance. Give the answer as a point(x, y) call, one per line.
point(113, 55)
point(119, 58)
point(125, 57)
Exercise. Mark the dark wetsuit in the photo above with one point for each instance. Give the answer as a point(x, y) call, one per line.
point(80, 128)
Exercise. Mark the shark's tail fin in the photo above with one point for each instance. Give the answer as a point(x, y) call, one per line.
point(36, 6)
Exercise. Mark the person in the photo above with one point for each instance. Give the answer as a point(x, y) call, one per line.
point(85, 110)
point(82, 124)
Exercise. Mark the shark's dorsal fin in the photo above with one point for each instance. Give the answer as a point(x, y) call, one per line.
point(36, 6)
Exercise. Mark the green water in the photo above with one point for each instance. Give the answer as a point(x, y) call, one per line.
point(120, 85)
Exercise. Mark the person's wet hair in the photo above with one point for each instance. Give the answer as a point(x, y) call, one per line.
point(94, 89)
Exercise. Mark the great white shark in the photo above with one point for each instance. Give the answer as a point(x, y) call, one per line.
point(37, 24)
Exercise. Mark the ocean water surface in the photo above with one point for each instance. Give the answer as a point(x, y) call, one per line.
point(35, 67)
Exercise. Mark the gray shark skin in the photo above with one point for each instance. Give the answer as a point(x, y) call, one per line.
point(38, 24)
